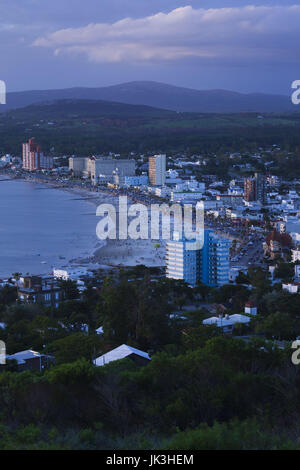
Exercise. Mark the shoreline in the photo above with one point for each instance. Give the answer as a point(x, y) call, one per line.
point(112, 253)
point(68, 256)
point(115, 253)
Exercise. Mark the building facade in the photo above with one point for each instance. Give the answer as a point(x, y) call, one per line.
point(182, 264)
point(234, 200)
point(296, 254)
point(157, 170)
point(77, 166)
point(102, 169)
point(209, 265)
point(33, 157)
point(255, 188)
point(40, 290)
point(30, 360)
point(142, 180)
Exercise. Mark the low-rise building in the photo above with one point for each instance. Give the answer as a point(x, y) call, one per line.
point(296, 254)
point(141, 180)
point(227, 322)
point(122, 352)
point(250, 308)
point(277, 244)
point(30, 360)
point(292, 288)
point(235, 271)
point(73, 274)
point(186, 196)
point(232, 200)
point(40, 290)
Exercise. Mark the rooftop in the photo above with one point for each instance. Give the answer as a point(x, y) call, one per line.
point(22, 356)
point(118, 353)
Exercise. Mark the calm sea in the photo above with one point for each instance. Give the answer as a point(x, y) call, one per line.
point(40, 226)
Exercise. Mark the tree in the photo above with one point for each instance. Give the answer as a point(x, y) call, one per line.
point(74, 347)
point(259, 279)
point(193, 338)
point(117, 304)
point(242, 278)
point(8, 295)
point(235, 435)
point(237, 294)
point(74, 314)
point(278, 325)
point(70, 289)
point(203, 290)
point(136, 312)
point(281, 301)
point(284, 271)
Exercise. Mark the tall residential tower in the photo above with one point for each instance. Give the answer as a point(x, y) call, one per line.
point(157, 170)
point(209, 265)
point(33, 157)
point(255, 188)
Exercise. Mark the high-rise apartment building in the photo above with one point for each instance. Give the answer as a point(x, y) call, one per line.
point(249, 189)
point(34, 158)
point(260, 188)
point(157, 170)
point(209, 265)
point(182, 263)
point(77, 166)
point(102, 168)
point(255, 188)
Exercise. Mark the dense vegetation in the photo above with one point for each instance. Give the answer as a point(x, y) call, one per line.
point(90, 127)
point(201, 390)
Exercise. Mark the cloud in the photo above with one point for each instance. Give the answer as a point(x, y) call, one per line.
point(234, 35)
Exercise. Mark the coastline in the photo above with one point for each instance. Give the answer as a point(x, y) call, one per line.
point(68, 248)
point(109, 253)
point(115, 253)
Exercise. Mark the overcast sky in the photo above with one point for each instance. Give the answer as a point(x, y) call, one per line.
point(248, 46)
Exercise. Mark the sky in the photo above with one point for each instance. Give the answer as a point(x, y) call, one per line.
point(245, 46)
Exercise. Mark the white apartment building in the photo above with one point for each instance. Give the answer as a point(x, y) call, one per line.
point(71, 273)
point(102, 169)
point(186, 196)
point(291, 288)
point(210, 264)
point(296, 254)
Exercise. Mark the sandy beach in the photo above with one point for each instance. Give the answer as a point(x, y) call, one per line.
point(120, 252)
point(117, 252)
point(108, 253)
point(131, 253)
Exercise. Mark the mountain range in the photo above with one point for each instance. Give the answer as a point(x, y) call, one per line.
point(160, 95)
